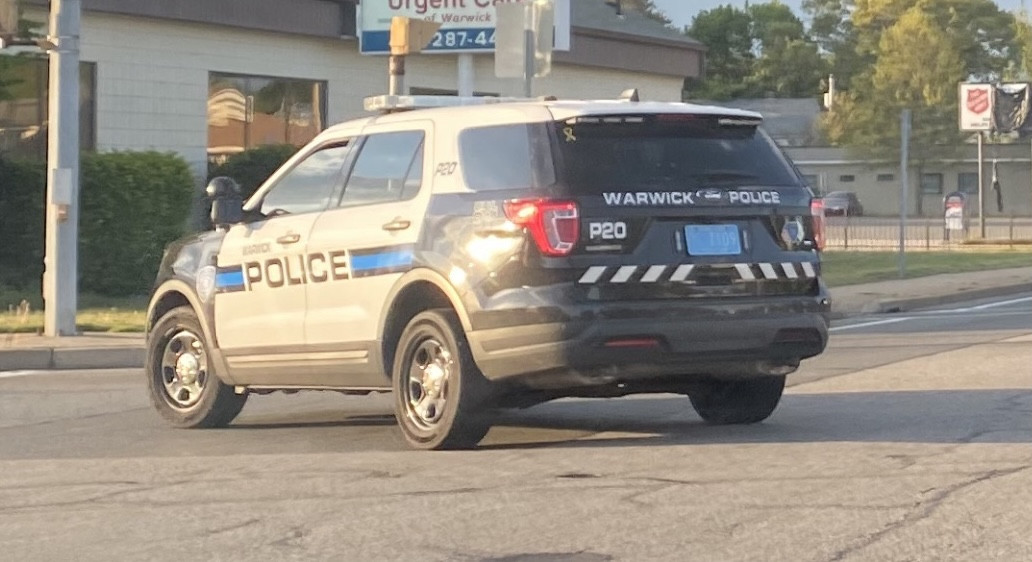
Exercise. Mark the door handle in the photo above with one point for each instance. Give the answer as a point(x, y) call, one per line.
point(397, 224)
point(291, 238)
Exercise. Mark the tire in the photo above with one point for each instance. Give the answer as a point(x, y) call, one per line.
point(178, 358)
point(440, 397)
point(738, 402)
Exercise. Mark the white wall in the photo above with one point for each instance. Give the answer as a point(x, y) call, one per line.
point(152, 77)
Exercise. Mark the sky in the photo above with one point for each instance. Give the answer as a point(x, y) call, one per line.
point(682, 11)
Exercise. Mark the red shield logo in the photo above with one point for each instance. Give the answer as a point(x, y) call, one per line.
point(978, 100)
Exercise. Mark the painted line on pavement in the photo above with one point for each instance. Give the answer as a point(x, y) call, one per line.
point(14, 374)
point(869, 324)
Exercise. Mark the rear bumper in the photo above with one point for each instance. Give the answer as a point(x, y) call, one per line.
point(729, 338)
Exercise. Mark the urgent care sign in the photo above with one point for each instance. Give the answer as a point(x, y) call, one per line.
point(467, 26)
point(976, 107)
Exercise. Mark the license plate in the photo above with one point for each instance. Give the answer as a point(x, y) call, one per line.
point(713, 239)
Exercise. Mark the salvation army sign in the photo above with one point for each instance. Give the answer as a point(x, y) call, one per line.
point(976, 107)
point(467, 26)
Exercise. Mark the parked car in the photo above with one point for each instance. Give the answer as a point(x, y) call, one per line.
point(844, 203)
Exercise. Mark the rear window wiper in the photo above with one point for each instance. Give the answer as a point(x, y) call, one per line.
point(725, 175)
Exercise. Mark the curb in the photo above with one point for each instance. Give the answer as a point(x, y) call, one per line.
point(908, 304)
point(50, 358)
point(132, 357)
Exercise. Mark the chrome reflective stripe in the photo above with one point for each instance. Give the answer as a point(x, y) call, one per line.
point(745, 271)
point(768, 271)
point(682, 273)
point(593, 274)
point(653, 274)
point(624, 274)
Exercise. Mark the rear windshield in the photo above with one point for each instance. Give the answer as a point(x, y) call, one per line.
point(633, 153)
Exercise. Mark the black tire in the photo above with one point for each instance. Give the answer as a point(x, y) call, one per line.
point(462, 420)
point(738, 402)
point(214, 404)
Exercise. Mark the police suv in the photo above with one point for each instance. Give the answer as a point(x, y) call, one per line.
point(477, 254)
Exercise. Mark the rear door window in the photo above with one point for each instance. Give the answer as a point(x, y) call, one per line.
point(506, 157)
point(633, 153)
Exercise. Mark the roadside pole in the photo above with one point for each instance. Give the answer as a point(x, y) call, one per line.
point(529, 44)
point(904, 189)
point(981, 188)
point(467, 74)
point(60, 280)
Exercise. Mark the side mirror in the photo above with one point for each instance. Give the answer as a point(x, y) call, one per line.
point(227, 204)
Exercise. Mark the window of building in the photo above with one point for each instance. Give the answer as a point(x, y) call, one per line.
point(931, 183)
point(886, 177)
point(389, 167)
point(24, 86)
point(249, 111)
point(967, 182)
point(847, 178)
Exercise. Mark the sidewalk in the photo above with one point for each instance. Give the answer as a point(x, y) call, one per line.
point(116, 351)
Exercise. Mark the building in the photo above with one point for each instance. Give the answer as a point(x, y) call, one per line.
point(208, 78)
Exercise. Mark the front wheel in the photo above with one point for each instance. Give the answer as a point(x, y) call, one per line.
point(439, 394)
point(183, 386)
point(738, 402)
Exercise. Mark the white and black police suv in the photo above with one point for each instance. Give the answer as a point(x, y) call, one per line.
point(477, 254)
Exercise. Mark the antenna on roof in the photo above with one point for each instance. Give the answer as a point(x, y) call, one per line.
point(630, 95)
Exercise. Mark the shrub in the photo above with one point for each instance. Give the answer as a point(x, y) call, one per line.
point(22, 196)
point(253, 166)
point(131, 204)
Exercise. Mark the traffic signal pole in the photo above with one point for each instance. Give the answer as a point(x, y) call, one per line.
point(60, 279)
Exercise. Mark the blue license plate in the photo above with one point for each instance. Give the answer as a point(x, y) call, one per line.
point(713, 239)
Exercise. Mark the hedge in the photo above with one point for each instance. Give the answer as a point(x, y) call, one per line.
point(253, 166)
point(131, 205)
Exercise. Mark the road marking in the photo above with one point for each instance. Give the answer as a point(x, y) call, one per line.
point(980, 307)
point(13, 374)
point(869, 324)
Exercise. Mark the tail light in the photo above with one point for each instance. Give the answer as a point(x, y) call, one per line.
point(817, 212)
point(554, 225)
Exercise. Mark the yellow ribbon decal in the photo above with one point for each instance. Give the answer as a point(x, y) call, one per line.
point(570, 137)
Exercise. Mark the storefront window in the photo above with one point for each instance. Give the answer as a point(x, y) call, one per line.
point(249, 111)
point(24, 81)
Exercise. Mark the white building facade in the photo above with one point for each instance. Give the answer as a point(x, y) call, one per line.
point(207, 81)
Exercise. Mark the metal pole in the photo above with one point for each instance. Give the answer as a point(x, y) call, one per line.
point(396, 82)
point(904, 189)
point(981, 190)
point(528, 49)
point(467, 74)
point(60, 283)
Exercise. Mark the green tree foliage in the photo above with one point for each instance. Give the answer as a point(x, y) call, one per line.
point(919, 50)
point(131, 205)
point(646, 7)
point(727, 33)
point(253, 166)
point(760, 51)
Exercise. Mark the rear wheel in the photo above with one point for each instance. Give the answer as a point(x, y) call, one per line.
point(440, 396)
point(738, 402)
point(183, 386)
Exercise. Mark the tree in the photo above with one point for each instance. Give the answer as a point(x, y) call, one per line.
point(727, 33)
point(762, 50)
point(788, 63)
point(918, 65)
point(645, 7)
point(831, 27)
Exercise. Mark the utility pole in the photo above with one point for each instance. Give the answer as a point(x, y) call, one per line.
point(60, 277)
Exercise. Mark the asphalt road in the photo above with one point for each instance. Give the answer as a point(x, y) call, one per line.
point(908, 440)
